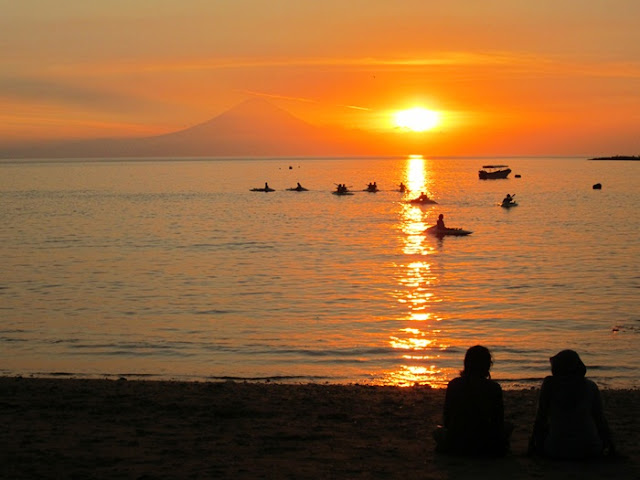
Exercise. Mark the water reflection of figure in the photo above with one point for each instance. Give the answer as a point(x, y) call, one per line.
point(474, 411)
point(570, 422)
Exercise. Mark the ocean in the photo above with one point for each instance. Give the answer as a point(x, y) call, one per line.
point(174, 269)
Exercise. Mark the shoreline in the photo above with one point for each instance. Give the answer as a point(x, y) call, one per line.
point(97, 428)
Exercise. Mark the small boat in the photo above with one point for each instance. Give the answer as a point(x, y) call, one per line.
point(441, 232)
point(494, 171)
point(342, 190)
point(266, 188)
point(298, 188)
point(508, 201)
point(422, 201)
point(371, 188)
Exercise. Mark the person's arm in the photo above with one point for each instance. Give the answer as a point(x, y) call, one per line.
point(540, 425)
point(601, 421)
point(446, 414)
point(498, 409)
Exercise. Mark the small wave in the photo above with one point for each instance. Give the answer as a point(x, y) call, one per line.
point(275, 378)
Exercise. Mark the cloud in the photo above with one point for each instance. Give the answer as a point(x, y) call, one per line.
point(507, 60)
point(296, 99)
point(41, 90)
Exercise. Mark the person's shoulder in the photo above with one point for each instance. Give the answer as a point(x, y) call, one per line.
point(591, 384)
point(494, 385)
point(548, 380)
point(456, 381)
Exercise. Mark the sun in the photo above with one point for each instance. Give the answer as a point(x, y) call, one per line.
point(417, 119)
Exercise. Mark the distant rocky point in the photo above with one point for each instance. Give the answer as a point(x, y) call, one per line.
point(618, 157)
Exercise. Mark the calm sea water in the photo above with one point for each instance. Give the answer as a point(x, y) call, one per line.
point(174, 269)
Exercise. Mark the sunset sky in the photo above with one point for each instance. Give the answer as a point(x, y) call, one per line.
point(505, 76)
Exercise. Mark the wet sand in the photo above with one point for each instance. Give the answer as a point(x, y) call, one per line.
point(78, 428)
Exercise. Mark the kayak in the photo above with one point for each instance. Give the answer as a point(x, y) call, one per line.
point(297, 189)
point(456, 232)
point(417, 201)
point(509, 204)
point(263, 190)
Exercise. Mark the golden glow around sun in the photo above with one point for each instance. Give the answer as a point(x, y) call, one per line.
point(416, 119)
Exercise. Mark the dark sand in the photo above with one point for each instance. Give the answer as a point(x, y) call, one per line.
point(68, 428)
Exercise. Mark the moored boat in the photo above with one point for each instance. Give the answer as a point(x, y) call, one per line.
point(494, 171)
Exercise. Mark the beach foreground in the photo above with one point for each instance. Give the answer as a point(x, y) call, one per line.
point(79, 428)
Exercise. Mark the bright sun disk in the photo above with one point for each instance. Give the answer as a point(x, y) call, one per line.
point(417, 119)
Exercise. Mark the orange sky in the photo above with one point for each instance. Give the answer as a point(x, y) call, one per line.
point(508, 76)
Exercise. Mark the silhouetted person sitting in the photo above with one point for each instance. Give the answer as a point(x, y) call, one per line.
point(440, 224)
point(570, 422)
point(473, 410)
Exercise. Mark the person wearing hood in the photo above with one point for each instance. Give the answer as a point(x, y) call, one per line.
point(570, 422)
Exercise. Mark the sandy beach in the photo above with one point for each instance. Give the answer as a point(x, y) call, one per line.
point(79, 428)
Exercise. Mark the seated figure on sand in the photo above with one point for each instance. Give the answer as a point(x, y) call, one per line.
point(473, 411)
point(570, 422)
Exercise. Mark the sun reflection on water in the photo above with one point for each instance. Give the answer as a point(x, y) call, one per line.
point(418, 341)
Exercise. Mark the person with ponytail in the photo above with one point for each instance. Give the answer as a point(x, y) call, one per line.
point(473, 410)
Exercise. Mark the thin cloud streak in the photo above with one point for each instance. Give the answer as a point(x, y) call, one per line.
point(277, 97)
point(515, 61)
point(296, 99)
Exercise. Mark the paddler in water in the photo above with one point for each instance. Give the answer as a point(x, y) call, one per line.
point(440, 222)
point(508, 199)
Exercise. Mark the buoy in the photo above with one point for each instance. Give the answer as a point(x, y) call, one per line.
point(518, 176)
point(597, 186)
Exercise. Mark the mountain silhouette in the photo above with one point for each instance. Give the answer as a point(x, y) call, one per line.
point(255, 127)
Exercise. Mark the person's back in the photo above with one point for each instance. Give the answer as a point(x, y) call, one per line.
point(570, 422)
point(474, 415)
point(473, 410)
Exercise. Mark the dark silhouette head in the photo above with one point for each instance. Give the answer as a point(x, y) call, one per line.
point(477, 362)
point(441, 216)
point(567, 363)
